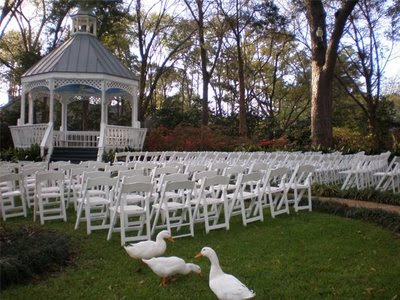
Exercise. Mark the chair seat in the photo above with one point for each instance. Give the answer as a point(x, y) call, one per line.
point(50, 195)
point(246, 195)
point(50, 189)
point(208, 201)
point(131, 209)
point(276, 189)
point(95, 201)
point(11, 193)
point(299, 186)
point(171, 205)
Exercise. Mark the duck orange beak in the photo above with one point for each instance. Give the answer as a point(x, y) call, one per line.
point(198, 255)
point(171, 239)
point(201, 274)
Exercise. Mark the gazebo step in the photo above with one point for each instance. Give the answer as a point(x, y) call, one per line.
point(75, 155)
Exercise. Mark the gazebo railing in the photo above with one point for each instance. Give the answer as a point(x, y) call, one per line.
point(110, 137)
point(24, 136)
point(76, 139)
point(122, 136)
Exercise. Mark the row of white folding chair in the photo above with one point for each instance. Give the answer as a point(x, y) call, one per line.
point(173, 210)
point(360, 175)
point(390, 178)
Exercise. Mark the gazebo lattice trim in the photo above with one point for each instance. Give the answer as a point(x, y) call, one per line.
point(34, 84)
point(114, 84)
point(95, 83)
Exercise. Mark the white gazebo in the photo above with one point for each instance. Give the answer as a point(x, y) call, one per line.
point(80, 67)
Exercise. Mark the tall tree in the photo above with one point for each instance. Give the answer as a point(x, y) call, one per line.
point(368, 57)
point(324, 56)
point(8, 11)
point(198, 11)
point(154, 30)
point(239, 15)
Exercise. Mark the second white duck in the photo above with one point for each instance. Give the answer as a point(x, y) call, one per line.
point(166, 267)
point(149, 249)
point(224, 286)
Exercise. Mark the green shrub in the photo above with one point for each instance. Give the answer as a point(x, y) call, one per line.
point(17, 154)
point(368, 194)
point(28, 251)
point(380, 217)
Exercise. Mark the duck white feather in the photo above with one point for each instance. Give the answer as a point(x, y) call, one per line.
point(169, 266)
point(149, 249)
point(224, 286)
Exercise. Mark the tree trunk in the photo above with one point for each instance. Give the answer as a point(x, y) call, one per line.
point(142, 88)
point(321, 107)
point(324, 57)
point(242, 99)
point(204, 62)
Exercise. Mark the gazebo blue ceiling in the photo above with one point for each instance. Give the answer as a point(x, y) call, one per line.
point(82, 53)
point(79, 89)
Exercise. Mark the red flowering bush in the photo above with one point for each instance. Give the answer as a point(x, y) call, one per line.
point(274, 144)
point(184, 138)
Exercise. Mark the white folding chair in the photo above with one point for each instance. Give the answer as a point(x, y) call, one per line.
point(98, 165)
point(28, 181)
point(114, 169)
point(49, 196)
point(193, 169)
point(175, 211)
point(158, 173)
point(147, 167)
point(301, 183)
point(12, 198)
point(210, 202)
point(233, 172)
point(389, 177)
point(121, 158)
point(96, 199)
point(246, 199)
point(275, 191)
point(132, 217)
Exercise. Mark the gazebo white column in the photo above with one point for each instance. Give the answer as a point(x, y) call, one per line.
point(106, 110)
point(134, 117)
point(30, 114)
point(51, 104)
point(64, 114)
point(22, 116)
point(103, 102)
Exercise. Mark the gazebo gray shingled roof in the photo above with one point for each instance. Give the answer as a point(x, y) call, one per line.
point(82, 53)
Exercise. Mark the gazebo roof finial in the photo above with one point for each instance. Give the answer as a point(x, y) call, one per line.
point(84, 21)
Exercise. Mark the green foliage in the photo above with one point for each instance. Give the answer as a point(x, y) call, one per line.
point(380, 217)
point(350, 141)
point(28, 251)
point(17, 154)
point(9, 115)
point(368, 194)
point(173, 114)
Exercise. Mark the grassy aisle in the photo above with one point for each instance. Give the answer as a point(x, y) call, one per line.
point(296, 256)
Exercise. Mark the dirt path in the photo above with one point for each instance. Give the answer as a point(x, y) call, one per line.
point(363, 204)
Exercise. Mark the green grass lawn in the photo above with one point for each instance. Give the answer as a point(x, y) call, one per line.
point(296, 256)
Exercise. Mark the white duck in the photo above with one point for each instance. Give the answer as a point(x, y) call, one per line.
point(224, 286)
point(149, 249)
point(169, 266)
